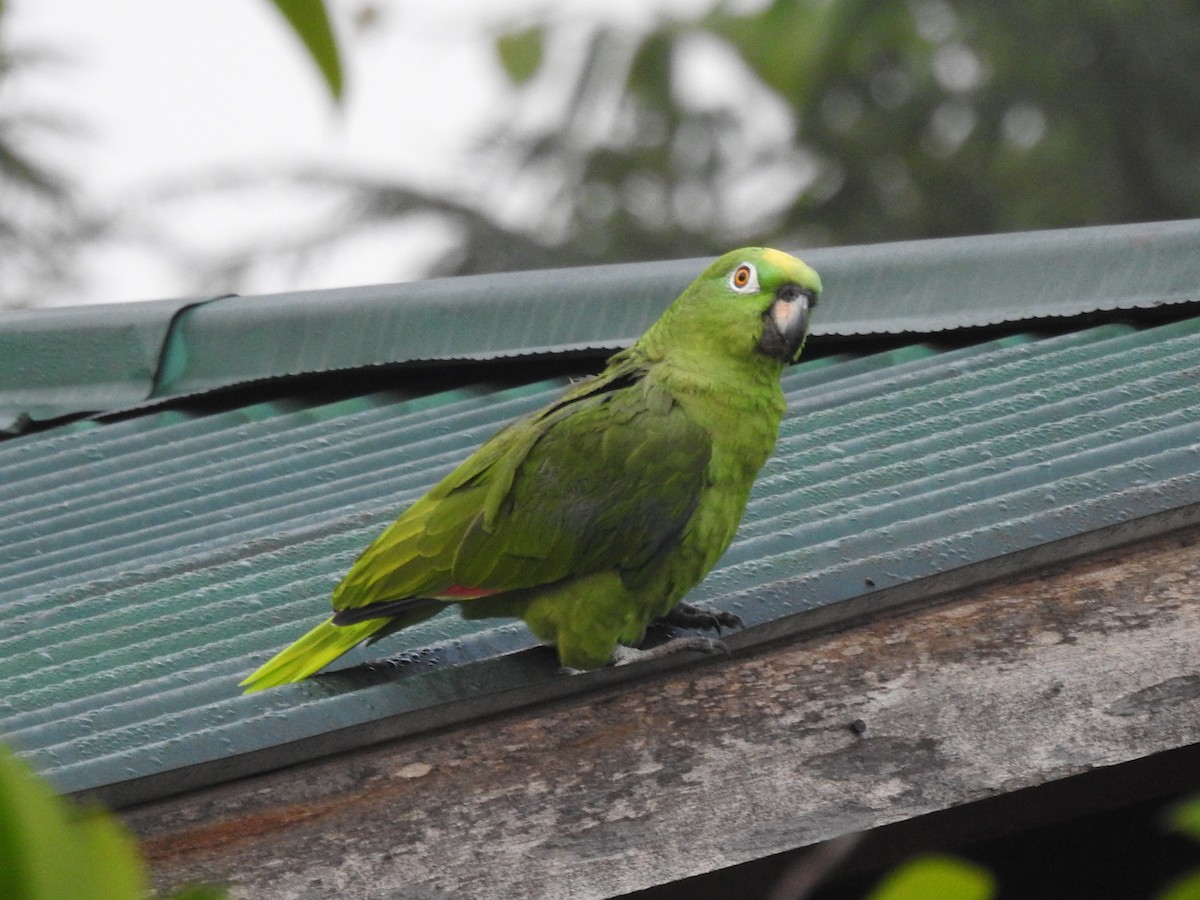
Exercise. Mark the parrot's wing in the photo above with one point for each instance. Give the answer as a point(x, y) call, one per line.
point(603, 479)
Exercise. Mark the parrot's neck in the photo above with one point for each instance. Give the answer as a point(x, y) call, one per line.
point(740, 409)
point(732, 392)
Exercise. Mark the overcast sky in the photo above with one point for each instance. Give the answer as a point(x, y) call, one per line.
point(168, 92)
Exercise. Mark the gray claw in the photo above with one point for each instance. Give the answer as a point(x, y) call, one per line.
point(694, 643)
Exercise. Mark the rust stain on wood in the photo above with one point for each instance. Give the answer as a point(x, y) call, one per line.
point(213, 837)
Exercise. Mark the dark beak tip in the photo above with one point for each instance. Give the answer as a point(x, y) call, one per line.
point(786, 324)
point(800, 332)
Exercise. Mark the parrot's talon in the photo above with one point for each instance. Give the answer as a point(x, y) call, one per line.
point(685, 615)
point(692, 643)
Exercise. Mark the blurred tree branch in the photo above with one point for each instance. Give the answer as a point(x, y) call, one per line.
point(41, 222)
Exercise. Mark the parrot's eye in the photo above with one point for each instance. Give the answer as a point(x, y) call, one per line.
point(744, 279)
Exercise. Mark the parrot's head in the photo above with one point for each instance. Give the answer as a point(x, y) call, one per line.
point(750, 303)
point(787, 291)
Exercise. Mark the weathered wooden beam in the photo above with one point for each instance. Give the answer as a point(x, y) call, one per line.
point(1013, 684)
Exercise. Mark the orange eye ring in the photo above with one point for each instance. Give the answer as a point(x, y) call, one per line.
point(744, 279)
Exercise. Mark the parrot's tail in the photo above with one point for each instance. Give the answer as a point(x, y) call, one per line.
point(311, 653)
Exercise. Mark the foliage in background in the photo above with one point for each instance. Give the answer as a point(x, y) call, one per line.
point(813, 122)
point(792, 122)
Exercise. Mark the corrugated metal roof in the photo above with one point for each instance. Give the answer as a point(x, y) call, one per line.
point(147, 565)
point(59, 361)
point(114, 357)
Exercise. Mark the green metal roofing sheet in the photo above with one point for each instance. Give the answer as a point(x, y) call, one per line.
point(61, 363)
point(148, 564)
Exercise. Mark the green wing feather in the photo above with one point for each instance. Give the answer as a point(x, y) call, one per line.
point(577, 488)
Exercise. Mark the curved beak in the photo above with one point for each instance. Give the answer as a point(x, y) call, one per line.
point(785, 323)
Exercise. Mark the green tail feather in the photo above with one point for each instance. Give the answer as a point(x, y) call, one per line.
point(311, 653)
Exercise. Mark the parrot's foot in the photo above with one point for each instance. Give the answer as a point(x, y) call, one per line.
point(692, 643)
point(684, 615)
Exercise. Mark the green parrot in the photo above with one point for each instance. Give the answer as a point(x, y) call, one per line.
point(595, 515)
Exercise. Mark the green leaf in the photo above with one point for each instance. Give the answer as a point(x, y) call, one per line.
point(110, 857)
point(310, 20)
point(51, 849)
point(31, 820)
point(1186, 888)
point(521, 53)
point(1185, 817)
point(936, 878)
